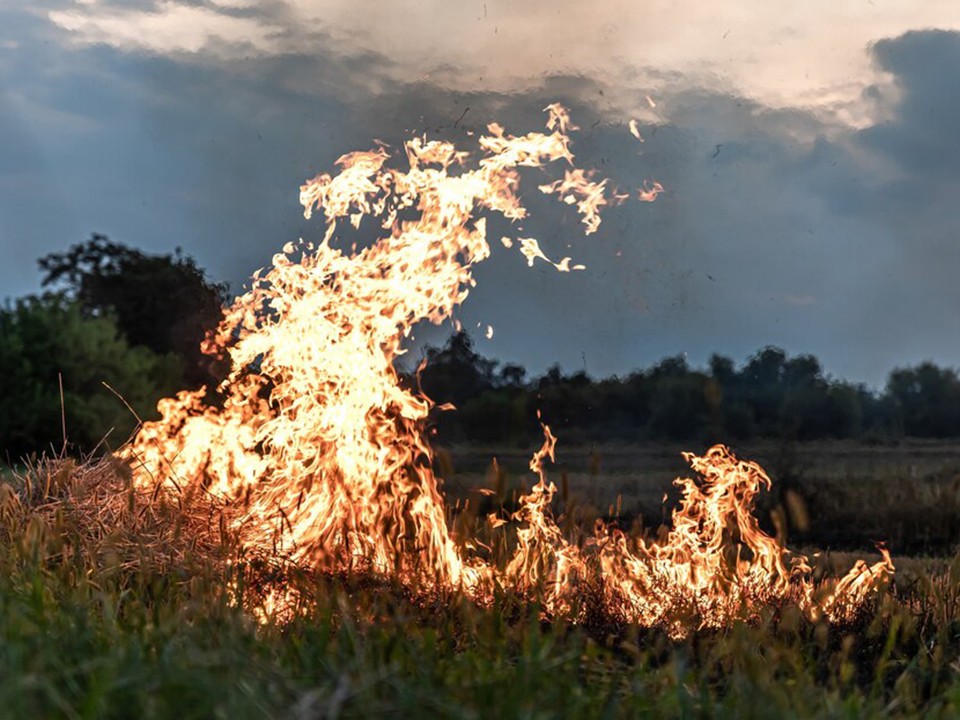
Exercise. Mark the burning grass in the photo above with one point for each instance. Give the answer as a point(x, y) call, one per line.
point(91, 517)
point(305, 498)
point(116, 603)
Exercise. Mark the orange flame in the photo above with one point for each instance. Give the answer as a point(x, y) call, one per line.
point(650, 191)
point(323, 450)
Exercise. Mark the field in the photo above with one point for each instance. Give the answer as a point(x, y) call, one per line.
point(906, 495)
point(139, 615)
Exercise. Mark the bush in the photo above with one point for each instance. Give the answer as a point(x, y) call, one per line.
point(49, 338)
point(163, 302)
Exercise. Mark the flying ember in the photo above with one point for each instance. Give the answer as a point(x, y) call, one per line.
point(322, 450)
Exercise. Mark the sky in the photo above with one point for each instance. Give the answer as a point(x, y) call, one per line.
point(809, 154)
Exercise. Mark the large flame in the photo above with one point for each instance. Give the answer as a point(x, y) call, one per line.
point(322, 449)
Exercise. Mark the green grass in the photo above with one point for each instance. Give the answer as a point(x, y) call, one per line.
point(120, 621)
point(71, 649)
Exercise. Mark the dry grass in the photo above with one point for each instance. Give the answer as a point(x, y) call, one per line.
point(113, 604)
point(89, 515)
point(849, 495)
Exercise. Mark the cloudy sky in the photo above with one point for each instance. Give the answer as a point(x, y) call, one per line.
point(810, 154)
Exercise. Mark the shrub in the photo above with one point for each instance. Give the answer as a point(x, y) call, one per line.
point(48, 339)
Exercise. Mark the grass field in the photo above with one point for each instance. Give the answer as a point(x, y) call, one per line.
point(906, 495)
point(140, 616)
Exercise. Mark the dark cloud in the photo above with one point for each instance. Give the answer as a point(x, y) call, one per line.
point(776, 227)
point(899, 182)
point(922, 137)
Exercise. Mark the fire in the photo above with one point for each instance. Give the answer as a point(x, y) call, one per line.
point(322, 452)
point(650, 191)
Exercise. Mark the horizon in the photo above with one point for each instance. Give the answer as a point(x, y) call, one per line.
point(417, 352)
point(694, 366)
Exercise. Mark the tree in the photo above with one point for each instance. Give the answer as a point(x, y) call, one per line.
point(44, 340)
point(735, 408)
point(679, 404)
point(456, 372)
point(763, 384)
point(162, 302)
point(513, 376)
point(927, 399)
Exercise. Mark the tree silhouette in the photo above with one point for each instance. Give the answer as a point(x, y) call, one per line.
point(927, 399)
point(161, 302)
point(456, 371)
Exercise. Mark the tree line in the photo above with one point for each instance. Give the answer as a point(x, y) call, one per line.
point(116, 329)
point(771, 395)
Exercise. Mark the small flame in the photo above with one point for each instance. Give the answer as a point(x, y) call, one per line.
point(650, 191)
point(530, 249)
point(576, 188)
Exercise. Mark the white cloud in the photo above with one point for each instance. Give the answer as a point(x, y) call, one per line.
point(168, 29)
point(235, 4)
point(781, 54)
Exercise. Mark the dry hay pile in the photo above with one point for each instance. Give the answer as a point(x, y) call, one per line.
point(88, 517)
